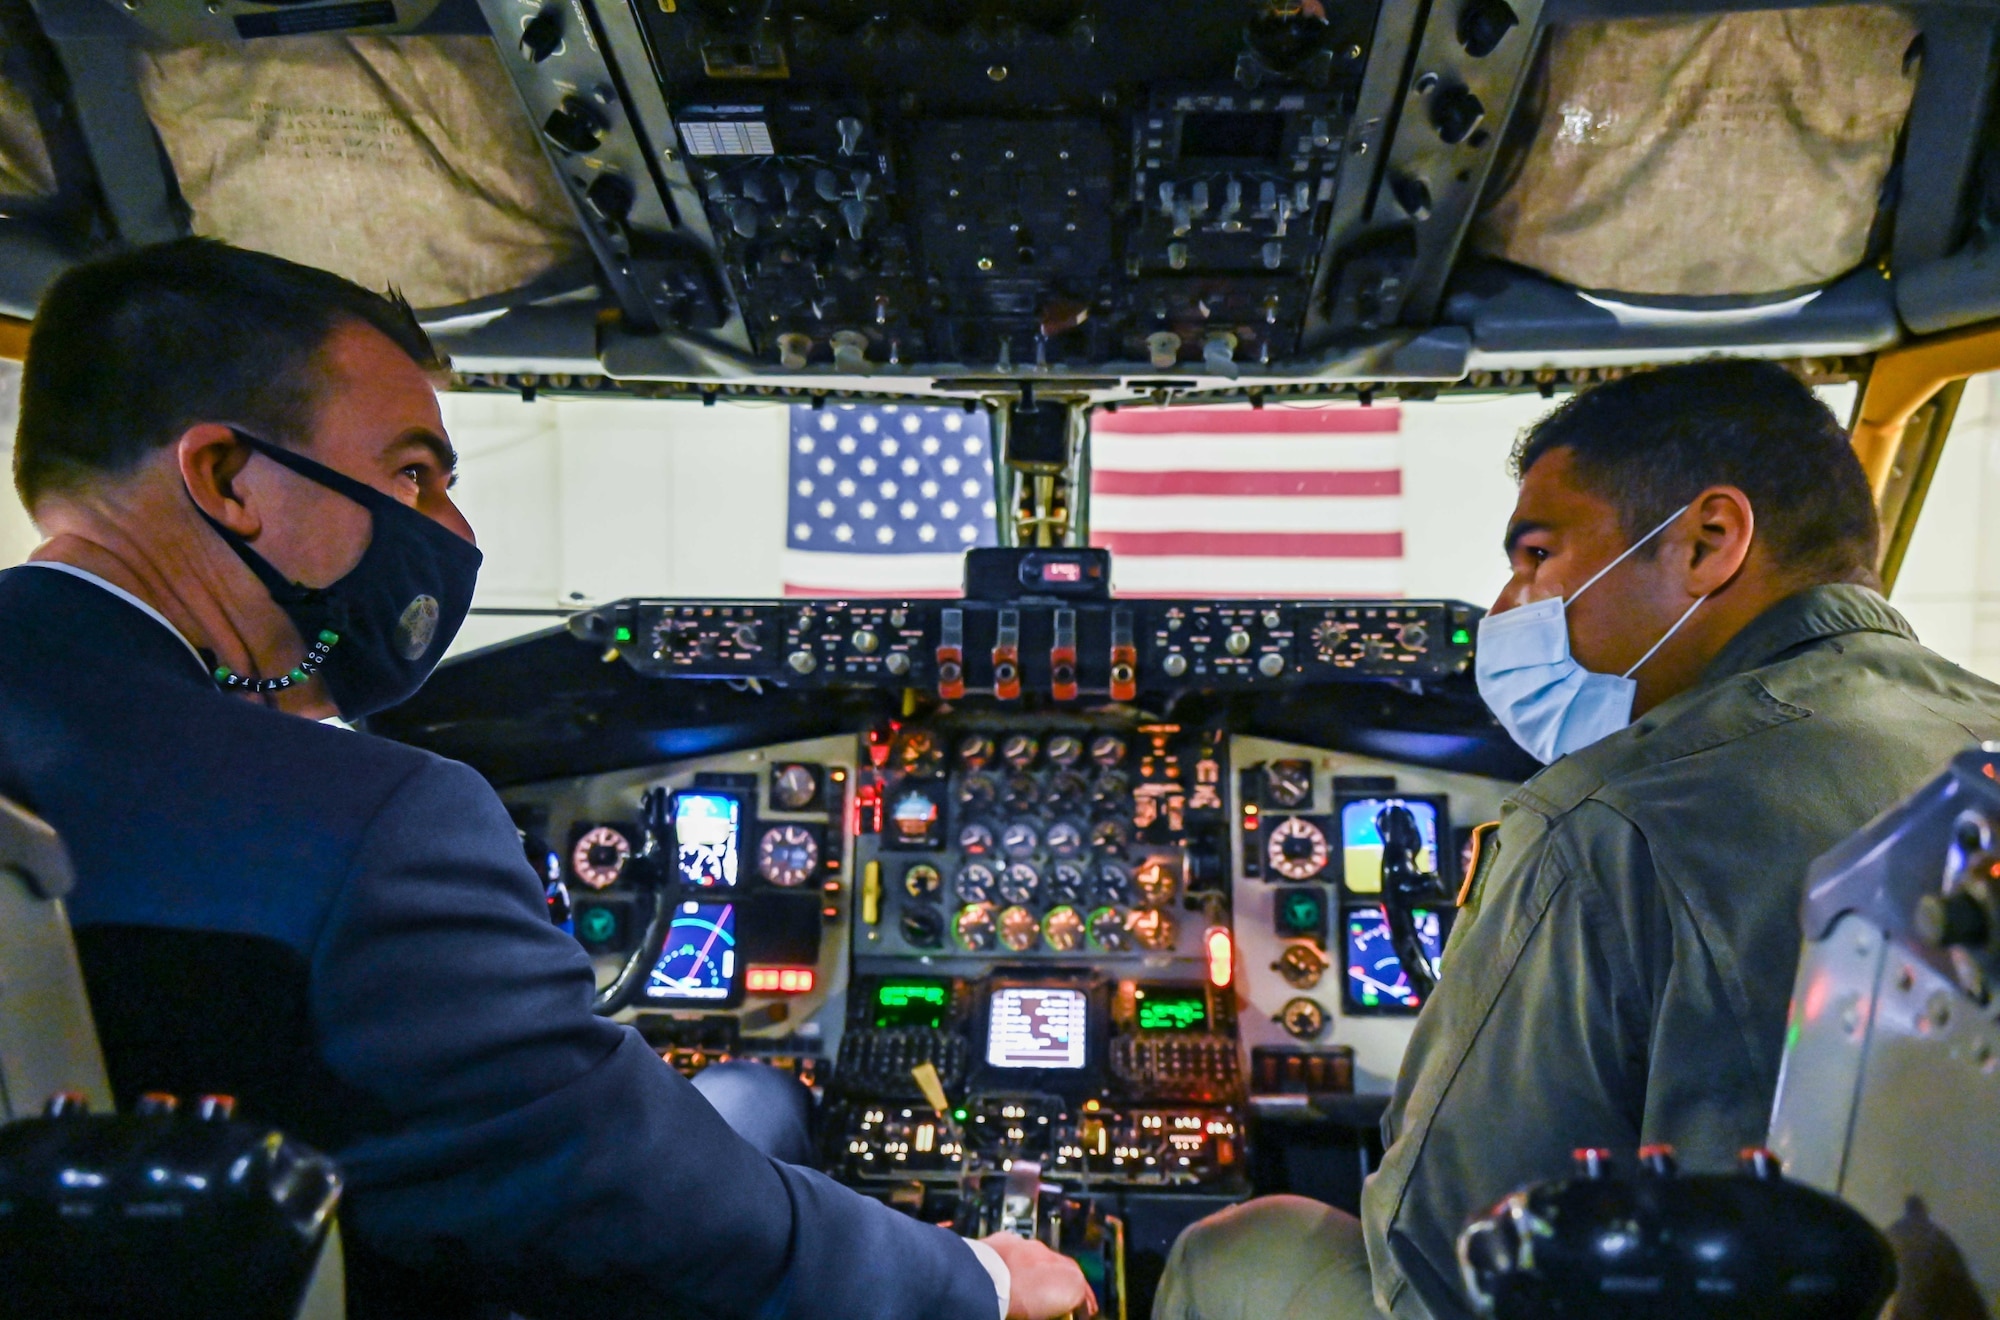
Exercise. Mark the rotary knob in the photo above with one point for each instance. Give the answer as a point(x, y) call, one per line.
point(1174, 665)
point(1413, 636)
point(1238, 642)
point(1272, 618)
point(542, 35)
point(865, 641)
point(802, 662)
point(1302, 1018)
point(897, 663)
point(1270, 664)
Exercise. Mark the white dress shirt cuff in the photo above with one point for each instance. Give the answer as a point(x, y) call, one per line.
point(1003, 1278)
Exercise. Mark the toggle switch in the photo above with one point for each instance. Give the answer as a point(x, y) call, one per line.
point(951, 655)
point(1007, 657)
point(1062, 657)
point(1124, 658)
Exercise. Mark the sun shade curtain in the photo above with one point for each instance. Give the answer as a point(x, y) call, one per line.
point(403, 161)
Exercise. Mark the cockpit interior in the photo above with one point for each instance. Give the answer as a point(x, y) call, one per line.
point(1082, 913)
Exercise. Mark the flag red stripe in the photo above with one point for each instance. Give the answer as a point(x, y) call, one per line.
point(1249, 421)
point(1388, 482)
point(1303, 545)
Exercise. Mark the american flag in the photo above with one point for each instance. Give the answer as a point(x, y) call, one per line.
point(1286, 500)
point(1192, 501)
point(885, 500)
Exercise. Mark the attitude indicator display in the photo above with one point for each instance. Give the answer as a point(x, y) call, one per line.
point(706, 828)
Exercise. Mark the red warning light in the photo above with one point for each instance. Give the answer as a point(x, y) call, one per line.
point(779, 980)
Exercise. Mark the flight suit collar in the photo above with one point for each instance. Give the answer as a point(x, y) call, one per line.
point(1809, 616)
point(1703, 717)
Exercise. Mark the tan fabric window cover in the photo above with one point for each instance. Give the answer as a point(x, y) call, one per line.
point(402, 161)
point(25, 170)
point(1736, 154)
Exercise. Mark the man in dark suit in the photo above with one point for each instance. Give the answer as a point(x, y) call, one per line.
point(244, 480)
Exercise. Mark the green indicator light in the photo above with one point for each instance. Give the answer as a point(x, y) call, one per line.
point(599, 925)
point(1460, 637)
point(958, 1114)
point(622, 635)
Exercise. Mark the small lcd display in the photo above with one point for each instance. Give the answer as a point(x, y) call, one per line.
point(1171, 1008)
point(706, 826)
point(1062, 570)
point(699, 960)
point(1037, 1027)
point(1361, 840)
point(911, 1003)
point(1375, 975)
point(1233, 136)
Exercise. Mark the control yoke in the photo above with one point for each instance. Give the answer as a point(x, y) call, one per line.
point(1406, 890)
point(651, 873)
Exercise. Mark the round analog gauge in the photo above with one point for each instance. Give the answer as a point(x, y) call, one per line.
point(975, 883)
point(1019, 883)
point(1157, 881)
point(1062, 929)
point(1019, 930)
point(1022, 793)
point(1301, 965)
point(1113, 836)
point(973, 927)
point(978, 791)
point(1065, 750)
point(1019, 839)
point(787, 855)
point(1107, 750)
point(599, 857)
point(918, 754)
point(922, 880)
point(975, 750)
point(1297, 849)
point(1108, 931)
point(1154, 929)
point(1066, 840)
point(1303, 1018)
point(1068, 791)
point(1019, 750)
point(976, 840)
point(794, 787)
point(1289, 783)
point(1064, 884)
point(1112, 793)
point(1114, 884)
point(923, 928)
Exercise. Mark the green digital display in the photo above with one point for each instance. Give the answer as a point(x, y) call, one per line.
point(1171, 1008)
point(911, 1003)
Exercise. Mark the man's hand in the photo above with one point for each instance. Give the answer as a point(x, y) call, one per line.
point(1047, 1284)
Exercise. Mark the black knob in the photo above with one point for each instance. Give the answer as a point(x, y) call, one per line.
point(542, 35)
point(1456, 112)
point(157, 1104)
point(923, 928)
point(575, 126)
point(216, 1108)
point(1943, 920)
point(67, 1104)
point(1483, 24)
point(1658, 1160)
point(611, 197)
point(1760, 1163)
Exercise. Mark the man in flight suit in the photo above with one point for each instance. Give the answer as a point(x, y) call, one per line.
point(241, 469)
point(1693, 639)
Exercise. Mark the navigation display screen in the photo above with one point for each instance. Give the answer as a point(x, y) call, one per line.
point(911, 1003)
point(1035, 1027)
point(699, 960)
point(1171, 1008)
point(706, 826)
point(1361, 844)
point(1375, 975)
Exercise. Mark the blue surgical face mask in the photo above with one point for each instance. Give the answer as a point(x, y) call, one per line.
point(1549, 703)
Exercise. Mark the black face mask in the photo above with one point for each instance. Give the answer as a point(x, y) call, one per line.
point(393, 615)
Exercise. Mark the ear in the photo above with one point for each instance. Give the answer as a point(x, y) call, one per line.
point(211, 458)
point(1722, 526)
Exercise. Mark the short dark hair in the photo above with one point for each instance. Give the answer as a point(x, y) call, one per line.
point(1652, 441)
point(130, 350)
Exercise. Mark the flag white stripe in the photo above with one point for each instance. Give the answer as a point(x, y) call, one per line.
point(1246, 513)
point(877, 574)
point(1184, 575)
point(1245, 453)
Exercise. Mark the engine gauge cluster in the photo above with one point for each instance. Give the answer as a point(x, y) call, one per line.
point(1044, 841)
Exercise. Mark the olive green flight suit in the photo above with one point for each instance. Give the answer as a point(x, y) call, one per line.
point(1622, 967)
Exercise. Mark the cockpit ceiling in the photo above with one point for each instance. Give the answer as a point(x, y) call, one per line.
point(888, 198)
